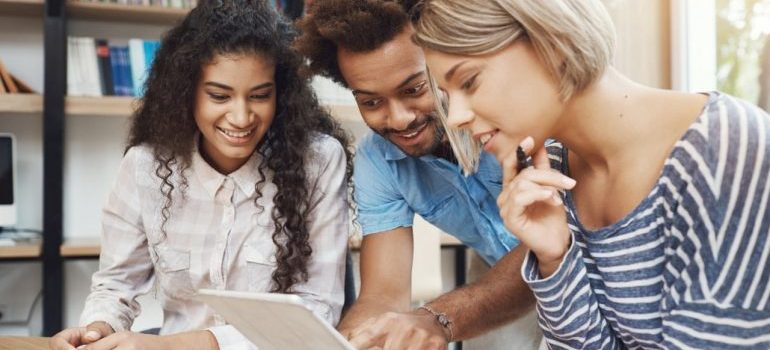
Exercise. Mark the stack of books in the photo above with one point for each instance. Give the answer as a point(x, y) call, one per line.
point(96, 68)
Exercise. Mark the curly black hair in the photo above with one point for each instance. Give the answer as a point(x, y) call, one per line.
point(165, 118)
point(355, 25)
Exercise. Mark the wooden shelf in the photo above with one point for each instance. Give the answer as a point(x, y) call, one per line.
point(26, 250)
point(125, 13)
point(21, 103)
point(118, 106)
point(25, 8)
point(110, 106)
point(81, 247)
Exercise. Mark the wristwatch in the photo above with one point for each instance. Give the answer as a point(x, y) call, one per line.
point(443, 320)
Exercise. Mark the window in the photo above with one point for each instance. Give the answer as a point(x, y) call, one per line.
point(724, 45)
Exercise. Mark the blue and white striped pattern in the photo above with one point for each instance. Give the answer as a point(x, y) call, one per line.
point(689, 268)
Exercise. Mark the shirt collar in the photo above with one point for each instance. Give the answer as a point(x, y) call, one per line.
point(245, 177)
point(392, 152)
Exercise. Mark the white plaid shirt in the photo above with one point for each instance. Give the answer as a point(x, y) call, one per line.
point(216, 238)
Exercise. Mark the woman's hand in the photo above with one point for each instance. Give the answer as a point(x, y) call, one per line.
point(194, 340)
point(532, 209)
point(72, 338)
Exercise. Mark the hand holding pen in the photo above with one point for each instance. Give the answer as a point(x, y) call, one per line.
point(531, 206)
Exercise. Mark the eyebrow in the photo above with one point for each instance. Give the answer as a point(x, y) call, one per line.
point(225, 87)
point(451, 72)
point(401, 85)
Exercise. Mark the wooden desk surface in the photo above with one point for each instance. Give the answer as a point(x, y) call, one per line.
point(23, 343)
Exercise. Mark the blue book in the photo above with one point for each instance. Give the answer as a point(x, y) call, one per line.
point(117, 82)
point(126, 80)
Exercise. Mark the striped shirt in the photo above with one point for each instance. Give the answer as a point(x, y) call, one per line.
point(689, 267)
point(216, 238)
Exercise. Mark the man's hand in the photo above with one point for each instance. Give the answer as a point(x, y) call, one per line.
point(394, 330)
point(71, 338)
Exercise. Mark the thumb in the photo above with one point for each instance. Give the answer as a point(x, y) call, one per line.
point(96, 331)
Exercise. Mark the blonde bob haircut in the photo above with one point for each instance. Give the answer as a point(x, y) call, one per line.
point(575, 40)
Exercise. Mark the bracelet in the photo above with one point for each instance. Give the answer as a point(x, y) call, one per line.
point(443, 320)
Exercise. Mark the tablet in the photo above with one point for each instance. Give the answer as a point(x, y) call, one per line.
point(274, 321)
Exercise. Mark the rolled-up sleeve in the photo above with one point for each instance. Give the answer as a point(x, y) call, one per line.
point(381, 206)
point(125, 268)
point(328, 226)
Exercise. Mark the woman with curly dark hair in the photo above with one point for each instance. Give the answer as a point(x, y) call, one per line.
point(234, 178)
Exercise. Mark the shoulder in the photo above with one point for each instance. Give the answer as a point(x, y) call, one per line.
point(139, 157)
point(731, 135)
point(324, 150)
point(372, 152)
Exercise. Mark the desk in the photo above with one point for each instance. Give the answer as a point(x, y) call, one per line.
point(23, 343)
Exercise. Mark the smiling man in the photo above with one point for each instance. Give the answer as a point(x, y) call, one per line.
point(406, 167)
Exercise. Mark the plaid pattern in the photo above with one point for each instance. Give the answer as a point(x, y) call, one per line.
point(215, 238)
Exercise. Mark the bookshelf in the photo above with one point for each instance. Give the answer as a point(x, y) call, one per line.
point(26, 8)
point(21, 251)
point(81, 248)
point(21, 103)
point(124, 13)
point(107, 106)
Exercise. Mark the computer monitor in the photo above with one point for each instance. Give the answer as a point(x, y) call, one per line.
point(7, 180)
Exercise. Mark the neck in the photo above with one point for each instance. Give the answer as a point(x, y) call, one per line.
point(607, 118)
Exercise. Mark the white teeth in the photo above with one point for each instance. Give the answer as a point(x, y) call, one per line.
point(485, 138)
point(236, 133)
point(411, 135)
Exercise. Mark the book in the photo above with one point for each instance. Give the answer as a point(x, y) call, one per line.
point(121, 71)
point(105, 67)
point(138, 67)
point(10, 85)
point(22, 86)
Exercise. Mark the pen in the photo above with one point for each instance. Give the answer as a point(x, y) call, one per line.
point(521, 160)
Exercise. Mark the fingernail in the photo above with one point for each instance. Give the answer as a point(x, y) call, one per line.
point(527, 143)
point(568, 182)
point(93, 335)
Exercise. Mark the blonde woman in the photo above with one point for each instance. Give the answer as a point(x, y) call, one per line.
point(647, 222)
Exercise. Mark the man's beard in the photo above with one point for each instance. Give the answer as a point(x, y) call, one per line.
point(432, 123)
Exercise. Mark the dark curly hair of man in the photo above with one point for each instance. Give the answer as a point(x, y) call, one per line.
point(165, 117)
point(355, 25)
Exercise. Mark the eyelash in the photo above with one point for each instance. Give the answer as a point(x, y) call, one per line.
point(468, 84)
point(417, 88)
point(222, 98)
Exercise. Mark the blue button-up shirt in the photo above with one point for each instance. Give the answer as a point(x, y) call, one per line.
point(390, 187)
